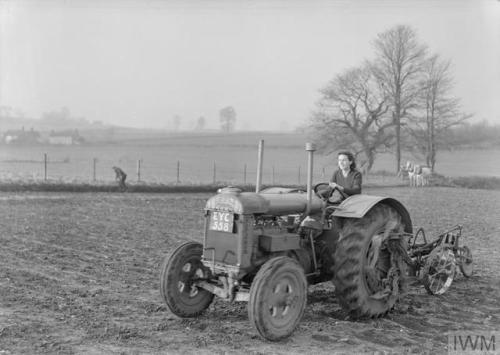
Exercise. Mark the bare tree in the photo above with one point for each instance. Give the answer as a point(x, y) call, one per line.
point(399, 61)
point(60, 117)
point(176, 122)
point(227, 117)
point(200, 123)
point(439, 111)
point(351, 115)
point(6, 111)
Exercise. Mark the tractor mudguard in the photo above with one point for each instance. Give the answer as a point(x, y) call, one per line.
point(357, 206)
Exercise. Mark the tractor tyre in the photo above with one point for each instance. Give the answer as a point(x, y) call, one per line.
point(368, 274)
point(278, 297)
point(178, 273)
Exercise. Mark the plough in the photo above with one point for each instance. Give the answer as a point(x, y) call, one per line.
point(435, 263)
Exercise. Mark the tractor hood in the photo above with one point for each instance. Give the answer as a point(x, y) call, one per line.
point(272, 202)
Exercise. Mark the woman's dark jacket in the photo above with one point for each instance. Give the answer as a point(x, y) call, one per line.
point(351, 183)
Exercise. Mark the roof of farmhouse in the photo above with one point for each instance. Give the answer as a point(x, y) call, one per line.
point(21, 132)
point(65, 133)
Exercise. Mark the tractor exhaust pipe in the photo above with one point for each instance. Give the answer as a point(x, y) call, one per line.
point(310, 148)
point(259, 166)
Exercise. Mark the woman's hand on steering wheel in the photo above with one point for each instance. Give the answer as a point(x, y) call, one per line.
point(332, 186)
point(320, 188)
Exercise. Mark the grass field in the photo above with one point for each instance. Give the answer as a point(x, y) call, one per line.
point(79, 273)
point(208, 158)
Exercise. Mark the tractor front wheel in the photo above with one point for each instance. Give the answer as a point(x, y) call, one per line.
point(368, 273)
point(278, 297)
point(179, 272)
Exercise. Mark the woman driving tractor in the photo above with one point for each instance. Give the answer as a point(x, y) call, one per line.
point(346, 181)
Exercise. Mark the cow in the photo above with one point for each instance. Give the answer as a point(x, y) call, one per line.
point(420, 175)
point(404, 169)
point(424, 175)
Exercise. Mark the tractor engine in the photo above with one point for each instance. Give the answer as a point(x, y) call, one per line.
point(243, 230)
point(280, 235)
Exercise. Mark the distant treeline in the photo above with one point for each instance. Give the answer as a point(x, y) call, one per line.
point(474, 135)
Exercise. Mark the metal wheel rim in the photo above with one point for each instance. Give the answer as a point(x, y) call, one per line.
point(188, 273)
point(464, 260)
point(441, 272)
point(283, 299)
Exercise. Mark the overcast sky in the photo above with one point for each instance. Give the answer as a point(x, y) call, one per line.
point(138, 63)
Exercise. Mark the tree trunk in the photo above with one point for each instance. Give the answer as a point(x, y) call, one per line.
point(397, 122)
point(428, 143)
point(370, 157)
point(432, 137)
point(433, 143)
point(433, 146)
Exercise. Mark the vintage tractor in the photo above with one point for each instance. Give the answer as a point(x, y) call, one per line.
point(266, 247)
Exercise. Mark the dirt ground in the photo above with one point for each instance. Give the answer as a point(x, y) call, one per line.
point(79, 273)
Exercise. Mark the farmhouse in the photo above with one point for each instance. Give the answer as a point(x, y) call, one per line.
point(67, 137)
point(21, 136)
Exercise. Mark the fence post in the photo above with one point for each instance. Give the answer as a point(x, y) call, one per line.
point(45, 166)
point(273, 175)
point(215, 171)
point(138, 170)
point(245, 174)
point(260, 163)
point(178, 171)
point(299, 174)
point(94, 169)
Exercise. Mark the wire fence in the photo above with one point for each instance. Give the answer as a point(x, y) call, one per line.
point(203, 162)
point(99, 170)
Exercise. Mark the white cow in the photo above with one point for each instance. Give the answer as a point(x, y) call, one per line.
point(412, 175)
point(424, 176)
point(404, 169)
point(421, 175)
point(418, 175)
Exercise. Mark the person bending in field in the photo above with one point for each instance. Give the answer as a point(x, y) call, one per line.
point(347, 179)
point(120, 178)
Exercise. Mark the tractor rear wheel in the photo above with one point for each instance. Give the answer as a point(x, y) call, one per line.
point(278, 297)
point(368, 273)
point(178, 273)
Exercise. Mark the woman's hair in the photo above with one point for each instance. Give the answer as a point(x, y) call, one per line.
point(350, 156)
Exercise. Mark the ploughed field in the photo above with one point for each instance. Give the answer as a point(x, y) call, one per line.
point(79, 273)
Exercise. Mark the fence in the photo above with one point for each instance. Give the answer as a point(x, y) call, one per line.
point(144, 171)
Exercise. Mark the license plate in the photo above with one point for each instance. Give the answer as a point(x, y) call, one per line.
point(221, 221)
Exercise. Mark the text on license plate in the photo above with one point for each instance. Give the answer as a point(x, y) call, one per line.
point(221, 221)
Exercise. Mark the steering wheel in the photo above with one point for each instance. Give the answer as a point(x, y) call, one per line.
point(323, 197)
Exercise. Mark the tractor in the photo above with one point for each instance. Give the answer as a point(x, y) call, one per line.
point(266, 247)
